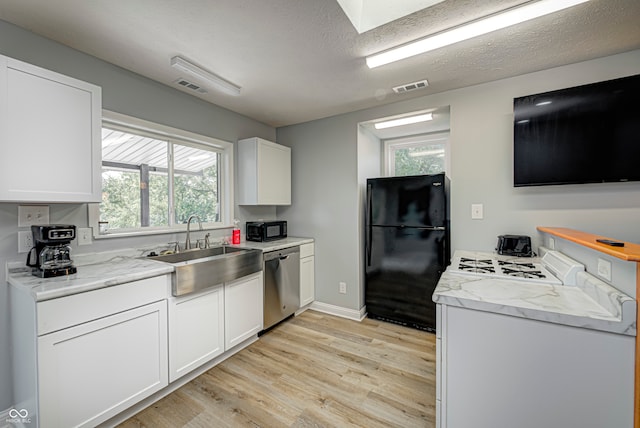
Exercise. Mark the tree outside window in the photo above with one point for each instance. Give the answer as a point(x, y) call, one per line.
point(416, 155)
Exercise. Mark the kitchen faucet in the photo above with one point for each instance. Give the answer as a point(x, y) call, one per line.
point(187, 244)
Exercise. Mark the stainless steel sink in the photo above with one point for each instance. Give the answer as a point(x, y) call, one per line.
point(199, 269)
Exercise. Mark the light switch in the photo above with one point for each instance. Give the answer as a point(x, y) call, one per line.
point(84, 235)
point(29, 215)
point(477, 212)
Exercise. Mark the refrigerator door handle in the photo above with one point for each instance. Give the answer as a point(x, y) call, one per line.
point(435, 228)
point(368, 218)
point(432, 228)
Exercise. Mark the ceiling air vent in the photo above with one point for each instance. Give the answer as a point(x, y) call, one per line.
point(421, 84)
point(191, 85)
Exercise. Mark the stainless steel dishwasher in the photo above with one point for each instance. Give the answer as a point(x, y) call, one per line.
point(281, 284)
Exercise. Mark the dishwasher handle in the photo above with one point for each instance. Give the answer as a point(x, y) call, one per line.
point(282, 254)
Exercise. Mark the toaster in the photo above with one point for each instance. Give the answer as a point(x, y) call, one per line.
point(514, 245)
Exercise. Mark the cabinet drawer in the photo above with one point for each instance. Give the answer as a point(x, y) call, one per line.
point(306, 250)
point(56, 314)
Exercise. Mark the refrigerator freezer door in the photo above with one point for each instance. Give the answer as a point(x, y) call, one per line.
point(409, 201)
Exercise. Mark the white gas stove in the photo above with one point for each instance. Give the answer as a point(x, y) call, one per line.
point(553, 268)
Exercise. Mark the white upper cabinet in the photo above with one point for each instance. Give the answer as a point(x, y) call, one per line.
point(264, 173)
point(50, 134)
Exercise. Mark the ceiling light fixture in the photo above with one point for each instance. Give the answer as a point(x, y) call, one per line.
point(498, 21)
point(404, 121)
point(205, 76)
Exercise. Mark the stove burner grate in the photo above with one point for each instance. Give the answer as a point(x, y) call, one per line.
point(523, 273)
point(516, 265)
point(476, 269)
point(476, 266)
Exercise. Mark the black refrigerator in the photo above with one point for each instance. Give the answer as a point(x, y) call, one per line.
point(407, 247)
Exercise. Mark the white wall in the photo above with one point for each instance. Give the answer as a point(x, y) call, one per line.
point(122, 92)
point(326, 188)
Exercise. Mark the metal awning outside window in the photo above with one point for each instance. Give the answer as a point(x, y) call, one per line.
point(124, 149)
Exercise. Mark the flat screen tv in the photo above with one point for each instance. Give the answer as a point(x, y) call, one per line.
point(584, 134)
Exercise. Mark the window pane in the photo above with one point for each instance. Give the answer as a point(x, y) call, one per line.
point(196, 184)
point(158, 199)
point(120, 198)
point(139, 202)
point(416, 160)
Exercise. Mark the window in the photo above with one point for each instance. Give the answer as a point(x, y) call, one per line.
point(416, 155)
point(155, 177)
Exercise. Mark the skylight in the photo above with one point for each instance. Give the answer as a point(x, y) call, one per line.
point(366, 15)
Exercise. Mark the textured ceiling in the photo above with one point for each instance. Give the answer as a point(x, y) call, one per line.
point(299, 60)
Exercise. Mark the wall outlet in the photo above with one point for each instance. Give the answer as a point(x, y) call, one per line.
point(25, 241)
point(343, 288)
point(477, 211)
point(552, 243)
point(604, 269)
point(29, 215)
point(84, 235)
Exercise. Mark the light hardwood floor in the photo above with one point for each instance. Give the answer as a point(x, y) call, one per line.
point(314, 370)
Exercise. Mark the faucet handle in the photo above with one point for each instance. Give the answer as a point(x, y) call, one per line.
point(176, 246)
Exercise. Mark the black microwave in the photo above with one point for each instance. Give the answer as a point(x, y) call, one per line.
point(260, 231)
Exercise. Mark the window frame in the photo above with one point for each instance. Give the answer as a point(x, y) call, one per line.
point(392, 144)
point(225, 149)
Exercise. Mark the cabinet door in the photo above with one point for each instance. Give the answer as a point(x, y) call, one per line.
point(51, 136)
point(243, 309)
point(274, 174)
point(93, 371)
point(264, 173)
point(196, 330)
point(307, 280)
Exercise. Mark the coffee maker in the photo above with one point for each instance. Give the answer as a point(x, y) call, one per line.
point(51, 250)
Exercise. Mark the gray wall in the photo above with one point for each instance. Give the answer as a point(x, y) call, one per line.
point(122, 92)
point(326, 184)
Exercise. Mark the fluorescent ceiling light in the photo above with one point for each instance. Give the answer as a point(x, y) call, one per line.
point(205, 76)
point(436, 152)
point(404, 121)
point(530, 10)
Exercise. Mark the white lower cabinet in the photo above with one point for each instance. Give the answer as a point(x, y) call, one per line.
point(243, 309)
point(196, 330)
point(307, 274)
point(500, 371)
point(81, 359)
point(92, 371)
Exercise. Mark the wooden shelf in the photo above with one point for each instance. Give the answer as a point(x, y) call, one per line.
point(630, 252)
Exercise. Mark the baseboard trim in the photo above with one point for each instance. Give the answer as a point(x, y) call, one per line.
point(339, 311)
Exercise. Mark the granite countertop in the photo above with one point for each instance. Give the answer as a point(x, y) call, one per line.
point(591, 304)
point(94, 272)
point(106, 269)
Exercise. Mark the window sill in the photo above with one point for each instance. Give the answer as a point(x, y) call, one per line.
point(137, 233)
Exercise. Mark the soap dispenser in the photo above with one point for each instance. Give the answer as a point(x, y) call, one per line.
point(235, 237)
